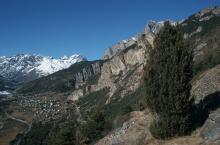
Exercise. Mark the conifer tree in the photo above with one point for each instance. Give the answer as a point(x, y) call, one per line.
point(167, 80)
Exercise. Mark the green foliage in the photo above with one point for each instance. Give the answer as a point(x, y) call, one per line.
point(52, 133)
point(93, 100)
point(37, 135)
point(192, 23)
point(94, 127)
point(170, 126)
point(98, 120)
point(117, 107)
point(211, 59)
point(62, 134)
point(167, 80)
point(127, 109)
point(134, 101)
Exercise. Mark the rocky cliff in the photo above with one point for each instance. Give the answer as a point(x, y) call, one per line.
point(205, 85)
point(117, 82)
point(72, 78)
point(123, 71)
point(203, 30)
point(135, 130)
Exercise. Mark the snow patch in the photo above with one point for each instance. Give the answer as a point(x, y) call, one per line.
point(25, 64)
point(4, 93)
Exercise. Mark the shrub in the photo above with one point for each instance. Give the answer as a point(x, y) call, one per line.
point(167, 79)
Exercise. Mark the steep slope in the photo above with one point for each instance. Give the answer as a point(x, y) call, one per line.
point(117, 87)
point(135, 130)
point(203, 30)
point(24, 67)
point(5, 84)
point(152, 28)
point(2, 84)
point(64, 80)
point(122, 70)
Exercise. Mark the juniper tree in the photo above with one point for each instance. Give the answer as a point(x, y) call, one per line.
point(167, 80)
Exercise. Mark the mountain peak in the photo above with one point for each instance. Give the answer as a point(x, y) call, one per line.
point(25, 67)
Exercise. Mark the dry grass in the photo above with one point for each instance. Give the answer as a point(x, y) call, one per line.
point(188, 140)
point(10, 130)
point(26, 116)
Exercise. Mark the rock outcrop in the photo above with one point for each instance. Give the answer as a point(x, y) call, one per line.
point(202, 15)
point(73, 78)
point(206, 83)
point(210, 131)
point(86, 73)
point(133, 131)
point(125, 70)
point(203, 29)
point(110, 52)
point(149, 32)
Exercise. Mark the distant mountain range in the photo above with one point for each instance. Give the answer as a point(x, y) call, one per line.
point(71, 89)
point(24, 67)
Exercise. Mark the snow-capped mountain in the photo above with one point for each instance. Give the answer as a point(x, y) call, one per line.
point(25, 67)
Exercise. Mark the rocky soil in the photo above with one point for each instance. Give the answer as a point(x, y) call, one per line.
point(135, 131)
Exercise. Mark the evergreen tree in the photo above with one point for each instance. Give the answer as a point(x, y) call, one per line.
point(167, 80)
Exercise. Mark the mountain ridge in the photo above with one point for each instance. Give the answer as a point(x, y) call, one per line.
point(25, 67)
point(116, 89)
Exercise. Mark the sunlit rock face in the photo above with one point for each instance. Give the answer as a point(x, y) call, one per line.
point(150, 30)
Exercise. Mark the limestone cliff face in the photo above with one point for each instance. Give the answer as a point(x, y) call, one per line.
point(124, 70)
point(86, 73)
point(120, 46)
point(81, 78)
point(149, 33)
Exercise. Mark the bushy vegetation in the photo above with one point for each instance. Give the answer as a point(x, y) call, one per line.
point(94, 128)
point(167, 80)
point(192, 23)
point(62, 134)
point(209, 34)
point(95, 100)
point(132, 102)
point(98, 120)
point(68, 132)
point(37, 135)
point(211, 59)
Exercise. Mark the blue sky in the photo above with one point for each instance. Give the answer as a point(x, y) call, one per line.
point(86, 27)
